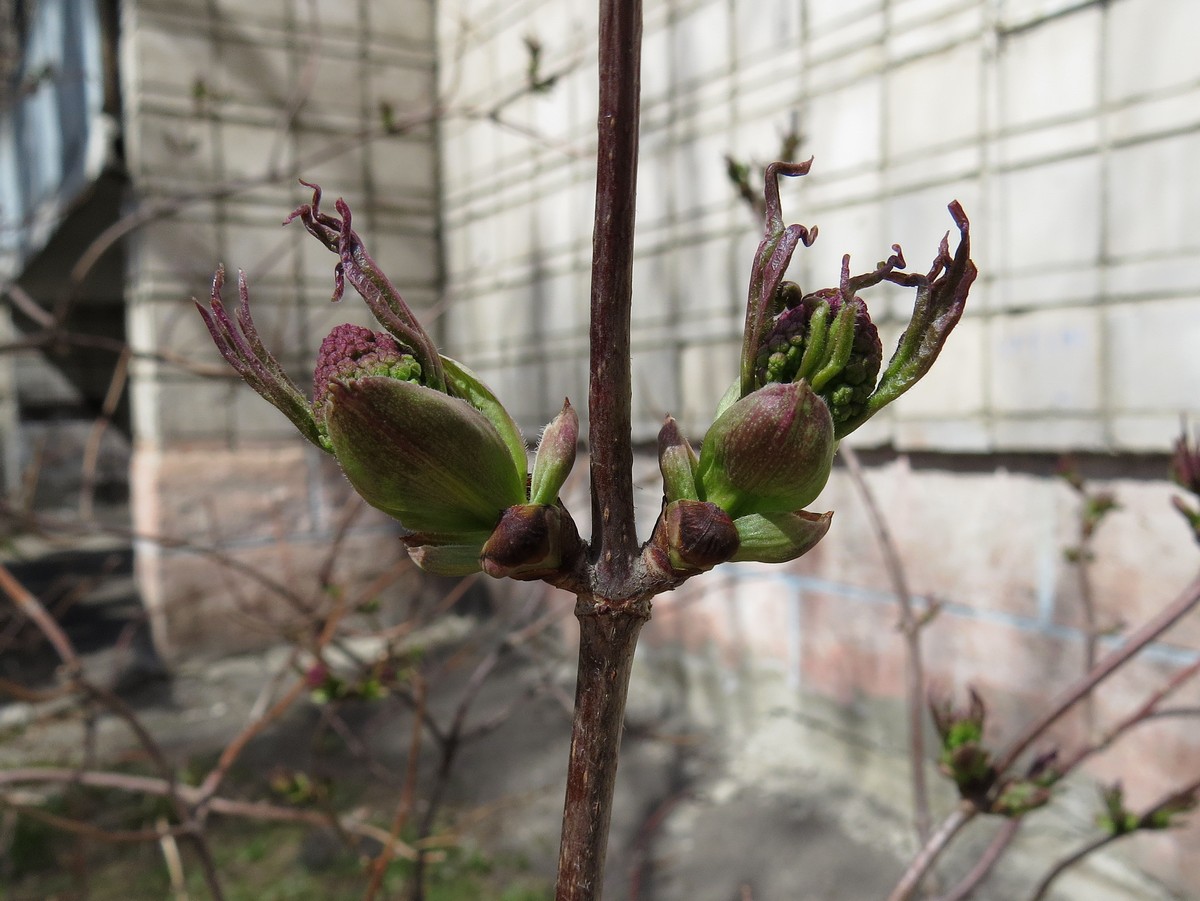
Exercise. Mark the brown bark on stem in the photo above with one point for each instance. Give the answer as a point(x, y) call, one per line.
point(615, 602)
point(607, 639)
point(614, 538)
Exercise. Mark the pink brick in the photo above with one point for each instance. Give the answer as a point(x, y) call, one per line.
point(275, 508)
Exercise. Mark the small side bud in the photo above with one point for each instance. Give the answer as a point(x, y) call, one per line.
point(1166, 814)
point(528, 543)
point(555, 456)
point(699, 535)
point(677, 462)
point(1116, 819)
point(1018, 797)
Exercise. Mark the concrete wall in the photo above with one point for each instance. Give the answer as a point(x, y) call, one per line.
point(226, 104)
point(1065, 129)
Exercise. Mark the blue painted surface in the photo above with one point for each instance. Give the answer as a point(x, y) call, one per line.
point(48, 135)
point(1157, 652)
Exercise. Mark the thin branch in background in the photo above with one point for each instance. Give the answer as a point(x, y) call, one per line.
point(91, 450)
point(50, 338)
point(155, 787)
point(1069, 861)
point(301, 88)
point(1183, 604)
point(645, 834)
point(88, 830)
point(32, 473)
point(407, 794)
point(1175, 712)
point(1180, 607)
point(171, 857)
point(987, 861)
point(1144, 712)
point(233, 750)
point(352, 509)
point(452, 738)
point(937, 842)
point(60, 604)
point(45, 524)
point(212, 782)
point(25, 302)
point(910, 627)
point(1094, 507)
point(32, 608)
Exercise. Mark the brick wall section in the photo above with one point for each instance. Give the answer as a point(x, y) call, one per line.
point(813, 645)
point(237, 95)
point(1064, 128)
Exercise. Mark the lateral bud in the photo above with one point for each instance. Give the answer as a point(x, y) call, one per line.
point(699, 535)
point(530, 542)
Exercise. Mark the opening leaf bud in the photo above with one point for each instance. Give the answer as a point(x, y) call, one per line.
point(770, 452)
point(432, 461)
point(462, 382)
point(555, 456)
point(677, 462)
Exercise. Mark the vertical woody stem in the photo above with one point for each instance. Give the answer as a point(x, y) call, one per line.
point(614, 538)
point(611, 612)
point(606, 644)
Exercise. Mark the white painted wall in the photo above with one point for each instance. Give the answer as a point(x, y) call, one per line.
point(1066, 129)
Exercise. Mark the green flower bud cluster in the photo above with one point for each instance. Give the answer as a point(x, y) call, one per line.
point(809, 375)
point(826, 337)
point(418, 435)
point(351, 351)
point(827, 341)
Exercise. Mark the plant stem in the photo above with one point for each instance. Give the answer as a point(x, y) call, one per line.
point(607, 639)
point(928, 855)
point(1067, 862)
point(614, 537)
point(614, 605)
point(986, 863)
